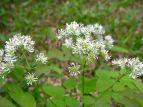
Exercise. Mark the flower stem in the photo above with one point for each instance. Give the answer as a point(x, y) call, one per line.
point(26, 60)
point(83, 77)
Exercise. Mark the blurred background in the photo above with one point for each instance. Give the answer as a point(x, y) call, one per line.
point(123, 19)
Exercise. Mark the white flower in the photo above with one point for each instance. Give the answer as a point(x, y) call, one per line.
point(109, 41)
point(28, 43)
point(120, 62)
point(73, 28)
point(86, 40)
point(8, 55)
point(74, 69)
point(30, 78)
point(82, 46)
point(92, 56)
point(6, 67)
point(134, 64)
point(41, 58)
point(68, 42)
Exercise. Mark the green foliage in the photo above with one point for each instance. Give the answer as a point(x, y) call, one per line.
point(6, 103)
point(89, 85)
point(70, 84)
point(23, 99)
point(54, 91)
point(65, 102)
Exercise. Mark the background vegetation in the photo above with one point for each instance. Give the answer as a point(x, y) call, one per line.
point(123, 19)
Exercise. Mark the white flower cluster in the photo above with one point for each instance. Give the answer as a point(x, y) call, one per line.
point(134, 64)
point(41, 58)
point(74, 69)
point(30, 78)
point(87, 40)
point(8, 55)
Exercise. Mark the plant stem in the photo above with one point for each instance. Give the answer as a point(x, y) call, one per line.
point(83, 82)
point(83, 77)
point(26, 60)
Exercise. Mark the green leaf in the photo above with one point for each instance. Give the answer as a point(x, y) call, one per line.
point(88, 100)
point(103, 84)
point(119, 87)
point(56, 103)
point(89, 85)
point(71, 102)
point(104, 100)
point(21, 98)
point(42, 69)
point(139, 85)
point(70, 84)
point(106, 74)
point(6, 103)
point(55, 91)
point(17, 73)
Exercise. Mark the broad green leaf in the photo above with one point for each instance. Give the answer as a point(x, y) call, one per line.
point(104, 99)
point(103, 84)
point(71, 102)
point(6, 103)
point(129, 98)
point(89, 85)
point(70, 83)
point(119, 87)
point(17, 73)
point(54, 91)
point(117, 97)
point(128, 82)
point(56, 103)
point(21, 98)
point(139, 85)
point(106, 74)
point(88, 100)
point(42, 69)
point(133, 95)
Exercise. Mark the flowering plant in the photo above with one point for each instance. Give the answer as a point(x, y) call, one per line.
point(85, 85)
